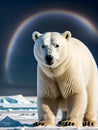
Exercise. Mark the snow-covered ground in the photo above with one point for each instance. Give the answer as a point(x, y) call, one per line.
point(19, 113)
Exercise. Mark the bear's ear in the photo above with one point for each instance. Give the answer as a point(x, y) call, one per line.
point(67, 35)
point(35, 35)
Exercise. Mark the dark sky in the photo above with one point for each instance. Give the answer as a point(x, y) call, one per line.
point(21, 76)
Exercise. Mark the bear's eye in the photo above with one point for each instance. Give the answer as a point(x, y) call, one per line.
point(43, 46)
point(56, 45)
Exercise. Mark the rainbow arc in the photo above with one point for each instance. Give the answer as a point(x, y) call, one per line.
point(33, 17)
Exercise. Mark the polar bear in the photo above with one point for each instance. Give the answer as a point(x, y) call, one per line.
point(67, 79)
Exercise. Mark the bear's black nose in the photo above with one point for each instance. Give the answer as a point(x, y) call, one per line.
point(49, 58)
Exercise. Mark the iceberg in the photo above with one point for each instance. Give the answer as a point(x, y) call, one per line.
point(17, 101)
point(9, 122)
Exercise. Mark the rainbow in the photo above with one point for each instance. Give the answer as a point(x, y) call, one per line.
point(29, 19)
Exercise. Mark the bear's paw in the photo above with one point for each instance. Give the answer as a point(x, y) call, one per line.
point(43, 123)
point(69, 123)
point(90, 123)
point(65, 123)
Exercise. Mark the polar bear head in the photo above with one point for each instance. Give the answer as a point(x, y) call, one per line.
point(50, 49)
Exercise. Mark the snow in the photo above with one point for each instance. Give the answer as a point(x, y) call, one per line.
point(19, 113)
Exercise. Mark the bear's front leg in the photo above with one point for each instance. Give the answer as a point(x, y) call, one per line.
point(47, 110)
point(76, 108)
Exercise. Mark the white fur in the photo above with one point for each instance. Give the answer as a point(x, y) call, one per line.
point(70, 83)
